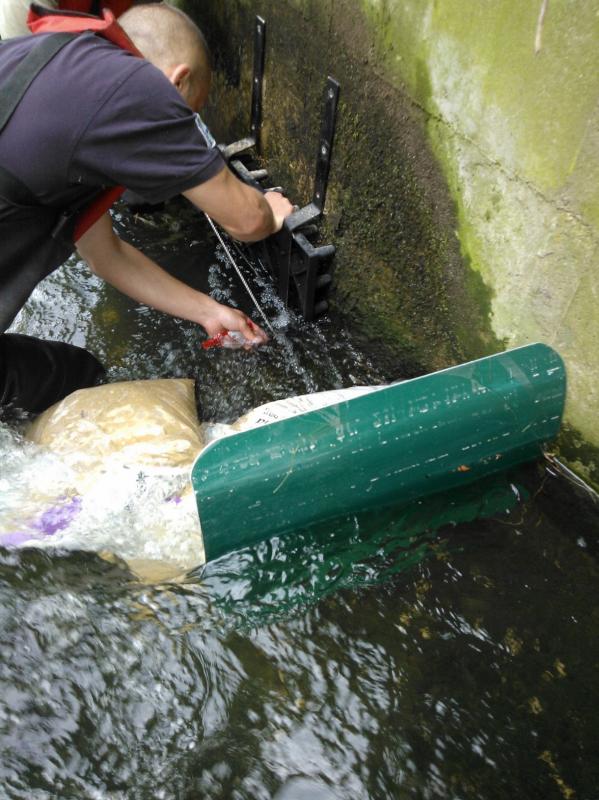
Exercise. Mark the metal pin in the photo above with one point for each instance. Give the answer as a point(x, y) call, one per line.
point(239, 273)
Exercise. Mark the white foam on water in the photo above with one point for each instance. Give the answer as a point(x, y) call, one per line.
point(136, 513)
point(132, 511)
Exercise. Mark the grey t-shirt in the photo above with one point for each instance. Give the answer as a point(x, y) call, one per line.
point(98, 116)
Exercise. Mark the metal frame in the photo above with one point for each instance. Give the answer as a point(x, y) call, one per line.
point(258, 80)
point(294, 262)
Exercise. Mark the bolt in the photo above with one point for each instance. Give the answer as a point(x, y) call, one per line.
point(323, 150)
point(331, 94)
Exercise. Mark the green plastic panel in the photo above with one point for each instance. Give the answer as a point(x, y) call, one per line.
point(398, 443)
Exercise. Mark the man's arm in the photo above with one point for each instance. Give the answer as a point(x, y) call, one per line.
point(131, 272)
point(244, 212)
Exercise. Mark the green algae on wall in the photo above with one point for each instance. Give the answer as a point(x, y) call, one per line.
point(464, 194)
point(512, 94)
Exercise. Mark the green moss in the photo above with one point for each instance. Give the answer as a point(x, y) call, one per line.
point(490, 53)
point(579, 455)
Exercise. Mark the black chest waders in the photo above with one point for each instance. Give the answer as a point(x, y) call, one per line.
point(34, 241)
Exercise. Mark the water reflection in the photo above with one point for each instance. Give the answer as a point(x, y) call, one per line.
point(257, 584)
point(446, 650)
point(448, 667)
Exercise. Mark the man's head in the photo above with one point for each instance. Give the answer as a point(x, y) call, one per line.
point(171, 41)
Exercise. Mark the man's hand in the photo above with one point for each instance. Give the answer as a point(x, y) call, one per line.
point(222, 318)
point(280, 207)
point(244, 212)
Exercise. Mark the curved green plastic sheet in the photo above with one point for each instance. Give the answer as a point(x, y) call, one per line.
point(403, 441)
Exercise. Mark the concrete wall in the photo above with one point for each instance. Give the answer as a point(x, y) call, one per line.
point(464, 196)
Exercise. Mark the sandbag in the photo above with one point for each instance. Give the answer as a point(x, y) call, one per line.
point(127, 449)
point(123, 451)
point(151, 423)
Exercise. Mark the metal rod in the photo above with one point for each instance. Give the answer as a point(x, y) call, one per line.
point(248, 262)
point(239, 273)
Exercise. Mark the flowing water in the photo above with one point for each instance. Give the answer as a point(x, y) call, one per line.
point(443, 650)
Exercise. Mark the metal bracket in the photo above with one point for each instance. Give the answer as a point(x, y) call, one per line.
point(313, 210)
point(325, 146)
point(299, 262)
point(253, 140)
point(293, 261)
point(258, 80)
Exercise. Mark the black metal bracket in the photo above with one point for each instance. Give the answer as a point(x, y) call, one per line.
point(252, 141)
point(294, 262)
point(299, 265)
point(258, 80)
point(327, 136)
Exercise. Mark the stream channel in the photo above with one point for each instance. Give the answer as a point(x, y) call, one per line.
point(445, 650)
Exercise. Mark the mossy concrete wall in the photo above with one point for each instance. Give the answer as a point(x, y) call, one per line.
point(464, 195)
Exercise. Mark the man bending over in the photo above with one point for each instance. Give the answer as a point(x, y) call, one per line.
point(98, 116)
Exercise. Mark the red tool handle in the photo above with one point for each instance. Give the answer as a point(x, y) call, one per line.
point(215, 341)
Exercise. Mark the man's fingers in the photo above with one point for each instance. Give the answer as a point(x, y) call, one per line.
point(255, 332)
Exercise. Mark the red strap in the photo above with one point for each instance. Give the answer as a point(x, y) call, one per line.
point(97, 208)
point(118, 7)
point(43, 20)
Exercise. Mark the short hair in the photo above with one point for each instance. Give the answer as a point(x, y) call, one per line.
point(166, 36)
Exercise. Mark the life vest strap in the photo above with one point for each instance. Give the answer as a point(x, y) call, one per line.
point(96, 209)
point(75, 221)
point(45, 20)
point(22, 77)
point(49, 20)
